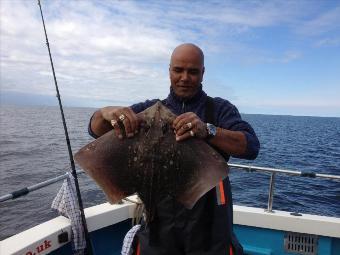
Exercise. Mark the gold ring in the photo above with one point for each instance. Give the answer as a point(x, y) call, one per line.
point(122, 117)
point(113, 123)
point(192, 133)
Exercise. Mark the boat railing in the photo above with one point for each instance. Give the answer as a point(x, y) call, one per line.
point(40, 185)
point(248, 168)
point(274, 172)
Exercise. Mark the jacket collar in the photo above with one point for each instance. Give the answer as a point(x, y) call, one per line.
point(179, 103)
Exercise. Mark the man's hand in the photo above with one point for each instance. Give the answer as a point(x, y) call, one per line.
point(189, 125)
point(122, 119)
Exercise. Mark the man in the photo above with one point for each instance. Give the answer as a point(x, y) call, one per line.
point(207, 228)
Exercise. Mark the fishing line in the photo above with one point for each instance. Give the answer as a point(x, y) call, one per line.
point(74, 173)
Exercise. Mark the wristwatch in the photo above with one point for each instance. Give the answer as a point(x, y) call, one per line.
point(211, 130)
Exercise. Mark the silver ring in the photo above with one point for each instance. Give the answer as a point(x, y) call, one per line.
point(192, 133)
point(113, 123)
point(189, 125)
point(122, 117)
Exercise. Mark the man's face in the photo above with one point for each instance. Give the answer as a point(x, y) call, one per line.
point(186, 72)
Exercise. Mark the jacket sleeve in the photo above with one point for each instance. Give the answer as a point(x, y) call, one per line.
point(89, 129)
point(228, 117)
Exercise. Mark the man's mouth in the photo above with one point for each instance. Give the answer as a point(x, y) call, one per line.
point(185, 86)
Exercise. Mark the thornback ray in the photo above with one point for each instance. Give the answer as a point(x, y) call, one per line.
point(152, 163)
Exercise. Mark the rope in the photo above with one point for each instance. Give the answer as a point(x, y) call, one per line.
point(138, 213)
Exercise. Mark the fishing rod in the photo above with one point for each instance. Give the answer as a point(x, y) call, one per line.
point(74, 173)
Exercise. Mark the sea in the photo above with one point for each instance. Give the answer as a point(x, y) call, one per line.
point(33, 149)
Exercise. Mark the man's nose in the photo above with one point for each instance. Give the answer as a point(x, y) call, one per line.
point(184, 76)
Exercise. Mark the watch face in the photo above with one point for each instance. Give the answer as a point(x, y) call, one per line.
point(211, 130)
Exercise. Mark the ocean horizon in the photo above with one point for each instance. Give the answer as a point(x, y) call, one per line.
point(55, 104)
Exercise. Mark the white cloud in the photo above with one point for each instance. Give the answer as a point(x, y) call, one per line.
point(106, 50)
point(92, 56)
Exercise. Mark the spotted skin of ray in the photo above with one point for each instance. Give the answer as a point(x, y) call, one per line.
point(152, 163)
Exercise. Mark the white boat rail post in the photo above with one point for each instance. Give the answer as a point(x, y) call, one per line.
point(274, 171)
point(271, 193)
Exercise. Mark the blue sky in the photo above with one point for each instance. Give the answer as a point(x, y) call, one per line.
point(270, 57)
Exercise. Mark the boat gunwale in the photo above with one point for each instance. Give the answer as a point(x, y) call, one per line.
point(104, 215)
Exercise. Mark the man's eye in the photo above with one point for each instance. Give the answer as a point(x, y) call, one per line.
point(177, 70)
point(193, 71)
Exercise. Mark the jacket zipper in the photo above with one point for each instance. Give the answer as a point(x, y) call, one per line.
point(183, 107)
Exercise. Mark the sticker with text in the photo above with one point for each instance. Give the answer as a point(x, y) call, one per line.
point(42, 247)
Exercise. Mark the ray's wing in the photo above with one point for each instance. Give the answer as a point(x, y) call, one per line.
point(106, 161)
point(110, 161)
point(211, 169)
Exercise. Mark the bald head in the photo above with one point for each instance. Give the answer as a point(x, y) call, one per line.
point(188, 49)
point(186, 70)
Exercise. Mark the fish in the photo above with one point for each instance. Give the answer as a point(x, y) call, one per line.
point(152, 163)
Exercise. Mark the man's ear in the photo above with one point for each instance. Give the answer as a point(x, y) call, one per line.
point(202, 73)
